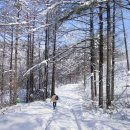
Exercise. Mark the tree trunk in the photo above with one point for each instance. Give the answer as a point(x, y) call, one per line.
point(32, 38)
point(113, 54)
point(40, 73)
point(46, 58)
point(11, 66)
point(92, 54)
point(54, 64)
point(101, 58)
point(15, 64)
point(85, 56)
point(108, 79)
point(28, 66)
point(2, 76)
point(28, 62)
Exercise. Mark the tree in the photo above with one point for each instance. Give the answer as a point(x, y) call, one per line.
point(2, 66)
point(11, 64)
point(46, 58)
point(108, 79)
point(92, 55)
point(101, 57)
point(113, 53)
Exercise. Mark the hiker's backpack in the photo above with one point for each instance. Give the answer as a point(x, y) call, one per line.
point(56, 97)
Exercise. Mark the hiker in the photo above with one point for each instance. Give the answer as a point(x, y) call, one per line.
point(31, 97)
point(54, 99)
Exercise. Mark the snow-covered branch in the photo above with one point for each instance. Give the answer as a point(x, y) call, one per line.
point(8, 71)
point(16, 23)
point(42, 26)
point(45, 61)
point(35, 66)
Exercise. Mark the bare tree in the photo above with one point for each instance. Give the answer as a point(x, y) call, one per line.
point(113, 52)
point(2, 67)
point(11, 63)
point(92, 54)
point(101, 57)
point(108, 79)
point(46, 58)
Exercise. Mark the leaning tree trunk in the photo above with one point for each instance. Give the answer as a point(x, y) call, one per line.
point(101, 58)
point(108, 79)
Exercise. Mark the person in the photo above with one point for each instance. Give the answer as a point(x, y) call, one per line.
point(54, 100)
point(31, 97)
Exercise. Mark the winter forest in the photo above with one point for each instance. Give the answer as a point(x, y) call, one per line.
point(77, 49)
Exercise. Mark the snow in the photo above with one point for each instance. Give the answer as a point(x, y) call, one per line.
point(51, 8)
point(16, 23)
point(9, 71)
point(70, 114)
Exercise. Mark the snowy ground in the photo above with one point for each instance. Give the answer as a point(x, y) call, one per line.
point(70, 114)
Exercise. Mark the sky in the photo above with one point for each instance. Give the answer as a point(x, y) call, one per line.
point(127, 25)
point(1, 2)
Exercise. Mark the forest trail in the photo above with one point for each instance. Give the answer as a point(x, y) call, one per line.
point(41, 116)
point(69, 114)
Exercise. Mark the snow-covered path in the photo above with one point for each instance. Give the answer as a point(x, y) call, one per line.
point(69, 115)
point(66, 116)
point(63, 119)
point(41, 116)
